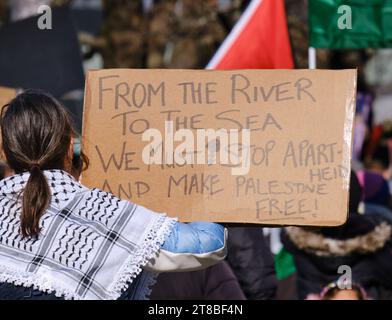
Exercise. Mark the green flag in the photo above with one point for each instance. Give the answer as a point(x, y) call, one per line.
point(284, 264)
point(350, 24)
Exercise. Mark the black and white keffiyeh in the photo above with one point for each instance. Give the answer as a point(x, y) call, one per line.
point(92, 244)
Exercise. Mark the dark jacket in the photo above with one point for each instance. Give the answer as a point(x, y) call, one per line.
point(217, 282)
point(363, 244)
point(10, 291)
point(252, 262)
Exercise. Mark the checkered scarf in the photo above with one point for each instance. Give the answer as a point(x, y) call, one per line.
point(92, 244)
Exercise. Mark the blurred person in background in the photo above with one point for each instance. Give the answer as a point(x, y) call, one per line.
point(334, 292)
point(363, 244)
point(378, 152)
point(376, 197)
point(250, 257)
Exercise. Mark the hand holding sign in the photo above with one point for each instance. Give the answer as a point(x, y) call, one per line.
point(247, 146)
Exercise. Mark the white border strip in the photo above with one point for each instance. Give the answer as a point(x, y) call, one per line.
point(312, 58)
point(237, 29)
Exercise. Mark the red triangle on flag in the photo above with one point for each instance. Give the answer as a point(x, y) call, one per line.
point(259, 40)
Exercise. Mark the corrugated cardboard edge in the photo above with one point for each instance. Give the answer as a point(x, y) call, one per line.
point(348, 134)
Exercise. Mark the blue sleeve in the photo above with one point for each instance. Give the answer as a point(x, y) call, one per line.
point(195, 237)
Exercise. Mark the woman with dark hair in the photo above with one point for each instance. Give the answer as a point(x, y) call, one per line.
point(59, 239)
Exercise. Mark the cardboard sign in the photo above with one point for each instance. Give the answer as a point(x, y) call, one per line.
point(6, 94)
point(241, 146)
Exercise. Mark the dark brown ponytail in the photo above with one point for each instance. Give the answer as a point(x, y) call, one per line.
point(36, 134)
point(36, 198)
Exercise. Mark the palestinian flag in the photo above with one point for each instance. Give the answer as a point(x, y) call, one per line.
point(259, 40)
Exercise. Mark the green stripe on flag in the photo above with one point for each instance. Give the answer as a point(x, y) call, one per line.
point(371, 24)
point(284, 264)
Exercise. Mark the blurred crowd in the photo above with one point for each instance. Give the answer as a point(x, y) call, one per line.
point(353, 261)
